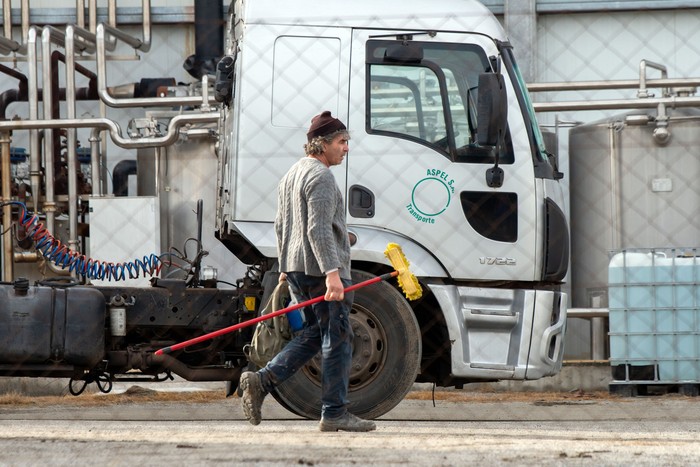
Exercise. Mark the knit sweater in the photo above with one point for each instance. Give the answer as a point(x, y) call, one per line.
point(312, 236)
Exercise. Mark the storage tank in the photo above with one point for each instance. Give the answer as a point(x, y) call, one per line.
point(635, 183)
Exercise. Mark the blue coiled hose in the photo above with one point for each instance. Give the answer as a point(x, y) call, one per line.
point(58, 253)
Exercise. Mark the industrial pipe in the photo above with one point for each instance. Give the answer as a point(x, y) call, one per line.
point(120, 176)
point(193, 374)
point(96, 162)
point(33, 93)
point(111, 20)
point(7, 18)
point(7, 98)
point(52, 95)
point(72, 136)
point(7, 44)
point(110, 100)
point(614, 84)
point(7, 264)
point(208, 38)
point(144, 45)
point(643, 93)
point(12, 95)
point(171, 136)
point(49, 36)
point(25, 21)
point(650, 103)
point(645, 100)
point(615, 196)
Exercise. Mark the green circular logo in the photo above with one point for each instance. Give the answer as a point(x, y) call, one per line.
point(431, 196)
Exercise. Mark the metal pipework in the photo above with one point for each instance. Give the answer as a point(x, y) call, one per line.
point(7, 44)
point(33, 97)
point(92, 15)
point(597, 317)
point(661, 133)
point(612, 104)
point(615, 196)
point(25, 21)
point(615, 84)
point(72, 32)
point(96, 162)
point(643, 93)
point(27, 257)
point(171, 136)
point(646, 100)
point(144, 45)
point(7, 264)
point(53, 35)
point(107, 98)
point(71, 138)
point(9, 96)
point(112, 14)
point(111, 19)
point(92, 11)
point(80, 13)
point(7, 18)
point(49, 35)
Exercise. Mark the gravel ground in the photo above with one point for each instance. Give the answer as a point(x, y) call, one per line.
point(140, 426)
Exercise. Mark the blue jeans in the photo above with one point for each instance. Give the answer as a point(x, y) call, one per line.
point(329, 332)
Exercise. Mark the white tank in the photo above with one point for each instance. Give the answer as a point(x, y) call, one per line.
point(635, 183)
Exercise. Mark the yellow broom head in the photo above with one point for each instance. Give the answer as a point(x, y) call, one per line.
point(407, 281)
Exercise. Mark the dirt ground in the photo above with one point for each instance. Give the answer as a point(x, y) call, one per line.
point(136, 393)
point(141, 426)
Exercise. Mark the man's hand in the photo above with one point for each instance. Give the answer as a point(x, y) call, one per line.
point(334, 287)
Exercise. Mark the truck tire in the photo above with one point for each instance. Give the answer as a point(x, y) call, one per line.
point(385, 360)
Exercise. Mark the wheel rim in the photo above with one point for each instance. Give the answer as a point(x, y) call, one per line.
point(368, 350)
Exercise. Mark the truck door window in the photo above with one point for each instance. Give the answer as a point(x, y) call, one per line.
point(431, 100)
point(406, 100)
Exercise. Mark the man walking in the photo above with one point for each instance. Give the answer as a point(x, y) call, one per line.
point(314, 254)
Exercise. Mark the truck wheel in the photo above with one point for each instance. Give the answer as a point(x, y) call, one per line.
point(385, 359)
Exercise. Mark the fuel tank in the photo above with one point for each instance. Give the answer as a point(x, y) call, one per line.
point(44, 324)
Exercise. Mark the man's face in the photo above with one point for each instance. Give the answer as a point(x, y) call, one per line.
point(336, 150)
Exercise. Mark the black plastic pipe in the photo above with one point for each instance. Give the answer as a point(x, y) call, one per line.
point(120, 176)
point(209, 38)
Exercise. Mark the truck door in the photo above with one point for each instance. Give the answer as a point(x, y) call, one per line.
point(414, 167)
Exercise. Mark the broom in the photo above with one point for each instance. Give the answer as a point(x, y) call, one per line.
point(407, 282)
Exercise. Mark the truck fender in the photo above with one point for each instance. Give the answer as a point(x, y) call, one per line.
point(371, 243)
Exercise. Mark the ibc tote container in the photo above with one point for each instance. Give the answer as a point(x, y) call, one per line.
point(654, 315)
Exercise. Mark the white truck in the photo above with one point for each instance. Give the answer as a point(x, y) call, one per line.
point(446, 159)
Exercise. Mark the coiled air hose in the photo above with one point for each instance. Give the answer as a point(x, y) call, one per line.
point(58, 253)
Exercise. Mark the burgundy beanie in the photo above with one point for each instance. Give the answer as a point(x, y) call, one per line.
point(324, 124)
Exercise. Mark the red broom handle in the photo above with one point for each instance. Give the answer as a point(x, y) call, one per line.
point(250, 322)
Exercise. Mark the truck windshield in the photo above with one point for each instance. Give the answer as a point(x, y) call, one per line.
point(519, 82)
point(430, 99)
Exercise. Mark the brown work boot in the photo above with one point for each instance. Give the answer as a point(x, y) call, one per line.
point(253, 396)
point(346, 422)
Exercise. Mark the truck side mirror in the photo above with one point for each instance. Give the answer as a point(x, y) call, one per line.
point(492, 109)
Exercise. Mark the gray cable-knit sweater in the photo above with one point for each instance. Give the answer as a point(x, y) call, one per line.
point(312, 236)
